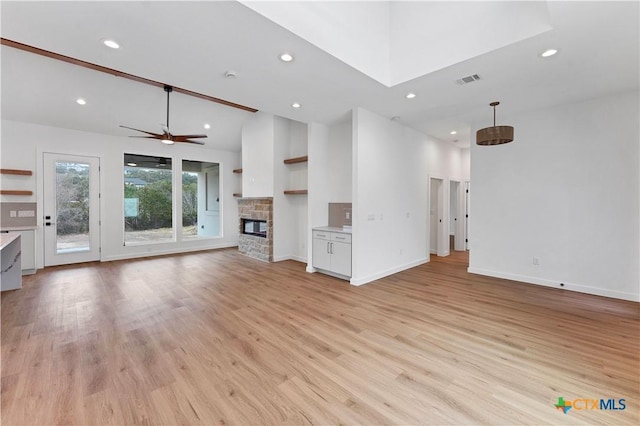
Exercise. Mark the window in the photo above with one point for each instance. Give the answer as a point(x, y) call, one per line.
point(200, 199)
point(148, 199)
point(72, 207)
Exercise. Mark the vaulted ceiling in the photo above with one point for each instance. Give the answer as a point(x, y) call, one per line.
point(366, 54)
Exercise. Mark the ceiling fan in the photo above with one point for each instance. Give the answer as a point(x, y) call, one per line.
point(166, 136)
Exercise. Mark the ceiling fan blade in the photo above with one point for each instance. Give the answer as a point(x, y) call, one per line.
point(190, 136)
point(188, 141)
point(149, 137)
point(143, 131)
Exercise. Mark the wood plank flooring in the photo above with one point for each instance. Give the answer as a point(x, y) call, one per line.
point(217, 338)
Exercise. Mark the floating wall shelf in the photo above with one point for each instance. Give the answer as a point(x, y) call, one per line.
point(296, 191)
point(16, 172)
point(237, 194)
point(237, 170)
point(302, 159)
point(15, 192)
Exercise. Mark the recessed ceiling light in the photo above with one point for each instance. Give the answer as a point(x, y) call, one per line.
point(207, 126)
point(81, 101)
point(453, 132)
point(411, 95)
point(549, 52)
point(131, 164)
point(231, 74)
point(286, 57)
point(296, 105)
point(112, 44)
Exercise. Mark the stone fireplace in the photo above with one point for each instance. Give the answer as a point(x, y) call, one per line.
point(256, 228)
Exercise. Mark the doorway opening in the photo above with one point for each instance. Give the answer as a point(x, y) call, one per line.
point(438, 235)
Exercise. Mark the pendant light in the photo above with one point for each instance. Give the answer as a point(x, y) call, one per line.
point(495, 135)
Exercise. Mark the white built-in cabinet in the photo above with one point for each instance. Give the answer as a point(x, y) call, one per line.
point(332, 251)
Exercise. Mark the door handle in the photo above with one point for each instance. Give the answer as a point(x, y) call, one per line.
point(49, 223)
point(331, 248)
point(328, 247)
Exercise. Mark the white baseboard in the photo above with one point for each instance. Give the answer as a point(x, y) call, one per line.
point(556, 284)
point(364, 280)
point(125, 256)
point(296, 258)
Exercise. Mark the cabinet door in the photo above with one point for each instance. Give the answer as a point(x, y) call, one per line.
point(321, 255)
point(341, 258)
point(28, 250)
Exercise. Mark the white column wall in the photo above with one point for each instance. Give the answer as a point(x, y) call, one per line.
point(257, 155)
point(391, 169)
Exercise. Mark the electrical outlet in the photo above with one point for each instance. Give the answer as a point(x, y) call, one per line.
point(371, 217)
point(12, 213)
point(536, 261)
point(26, 213)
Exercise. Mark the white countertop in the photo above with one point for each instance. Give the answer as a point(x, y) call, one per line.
point(18, 228)
point(332, 229)
point(6, 239)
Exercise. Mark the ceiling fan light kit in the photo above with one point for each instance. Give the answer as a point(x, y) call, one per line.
point(166, 137)
point(495, 135)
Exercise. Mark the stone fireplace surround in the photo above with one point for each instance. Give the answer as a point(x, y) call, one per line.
point(254, 246)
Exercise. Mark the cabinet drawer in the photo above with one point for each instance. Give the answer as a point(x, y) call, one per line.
point(343, 238)
point(323, 235)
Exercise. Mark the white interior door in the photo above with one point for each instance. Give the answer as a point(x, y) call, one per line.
point(71, 209)
point(433, 216)
point(438, 233)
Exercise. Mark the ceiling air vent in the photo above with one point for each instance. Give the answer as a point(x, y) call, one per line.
point(468, 79)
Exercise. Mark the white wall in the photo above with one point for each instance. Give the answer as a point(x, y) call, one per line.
point(298, 179)
point(282, 217)
point(22, 147)
point(391, 169)
point(257, 155)
point(465, 163)
point(339, 175)
point(329, 173)
point(565, 191)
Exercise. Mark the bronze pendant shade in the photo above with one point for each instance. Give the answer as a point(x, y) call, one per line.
point(496, 135)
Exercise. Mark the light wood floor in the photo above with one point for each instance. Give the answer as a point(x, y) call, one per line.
point(217, 338)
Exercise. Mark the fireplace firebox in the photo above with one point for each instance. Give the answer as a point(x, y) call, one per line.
point(254, 227)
